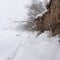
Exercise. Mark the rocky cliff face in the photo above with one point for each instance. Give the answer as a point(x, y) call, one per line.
point(51, 20)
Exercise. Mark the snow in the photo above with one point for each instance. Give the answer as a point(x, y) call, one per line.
point(9, 42)
point(24, 45)
point(44, 3)
point(41, 50)
point(40, 15)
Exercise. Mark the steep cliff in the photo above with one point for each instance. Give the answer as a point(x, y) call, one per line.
point(51, 20)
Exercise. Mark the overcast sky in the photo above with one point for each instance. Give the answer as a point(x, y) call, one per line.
point(13, 9)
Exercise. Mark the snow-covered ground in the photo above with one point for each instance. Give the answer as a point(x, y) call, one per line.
point(11, 42)
point(26, 46)
point(23, 45)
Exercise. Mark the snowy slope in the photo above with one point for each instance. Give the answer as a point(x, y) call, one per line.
point(26, 46)
point(11, 42)
point(42, 48)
